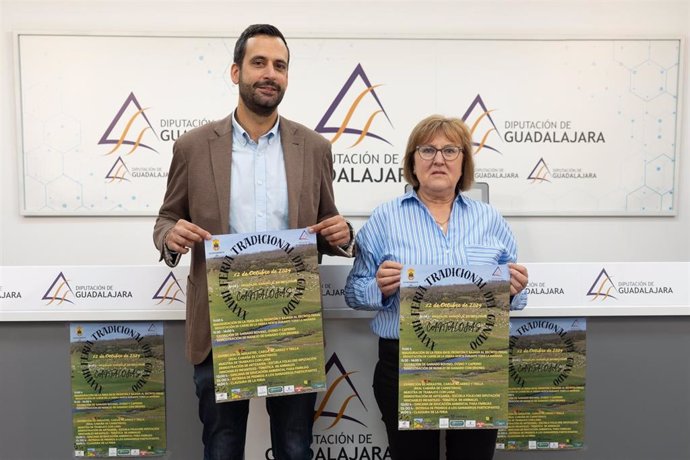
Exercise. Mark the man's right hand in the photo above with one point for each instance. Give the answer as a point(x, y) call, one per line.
point(183, 235)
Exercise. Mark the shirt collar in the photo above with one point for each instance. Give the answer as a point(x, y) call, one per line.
point(239, 134)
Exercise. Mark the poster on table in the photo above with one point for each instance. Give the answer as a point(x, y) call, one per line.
point(547, 384)
point(560, 126)
point(118, 389)
point(265, 310)
point(453, 347)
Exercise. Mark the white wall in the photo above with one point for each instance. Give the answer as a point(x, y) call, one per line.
point(44, 241)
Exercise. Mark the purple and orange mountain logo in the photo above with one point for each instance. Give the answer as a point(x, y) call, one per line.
point(325, 126)
point(602, 287)
point(170, 291)
point(342, 380)
point(59, 291)
point(135, 127)
point(540, 172)
point(478, 117)
point(118, 172)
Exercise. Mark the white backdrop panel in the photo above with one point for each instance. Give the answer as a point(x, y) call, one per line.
point(562, 127)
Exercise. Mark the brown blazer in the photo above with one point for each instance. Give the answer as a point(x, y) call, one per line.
point(199, 191)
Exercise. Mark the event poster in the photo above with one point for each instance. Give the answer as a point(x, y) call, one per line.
point(453, 347)
point(118, 389)
point(547, 384)
point(265, 310)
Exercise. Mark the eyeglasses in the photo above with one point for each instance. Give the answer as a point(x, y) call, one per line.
point(449, 152)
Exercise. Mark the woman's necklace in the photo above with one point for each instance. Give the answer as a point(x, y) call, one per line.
point(442, 224)
point(437, 204)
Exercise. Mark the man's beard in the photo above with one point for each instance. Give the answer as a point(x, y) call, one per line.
point(257, 103)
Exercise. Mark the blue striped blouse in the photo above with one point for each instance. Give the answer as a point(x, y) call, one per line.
point(403, 230)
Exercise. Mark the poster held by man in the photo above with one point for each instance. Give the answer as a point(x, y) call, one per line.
point(265, 310)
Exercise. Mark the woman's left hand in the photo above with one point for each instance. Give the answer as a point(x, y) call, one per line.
point(518, 278)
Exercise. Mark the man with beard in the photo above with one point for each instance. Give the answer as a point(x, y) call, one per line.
point(252, 171)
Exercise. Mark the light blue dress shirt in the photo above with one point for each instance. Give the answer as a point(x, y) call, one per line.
point(403, 230)
point(258, 187)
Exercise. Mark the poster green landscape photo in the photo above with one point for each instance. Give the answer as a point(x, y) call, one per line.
point(453, 347)
point(547, 384)
point(118, 389)
point(265, 309)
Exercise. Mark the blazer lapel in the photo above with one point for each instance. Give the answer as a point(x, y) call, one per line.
point(293, 155)
point(221, 160)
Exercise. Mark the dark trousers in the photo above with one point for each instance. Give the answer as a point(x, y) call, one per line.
point(225, 424)
point(465, 444)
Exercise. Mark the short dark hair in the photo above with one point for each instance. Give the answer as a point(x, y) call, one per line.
point(252, 31)
point(455, 130)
